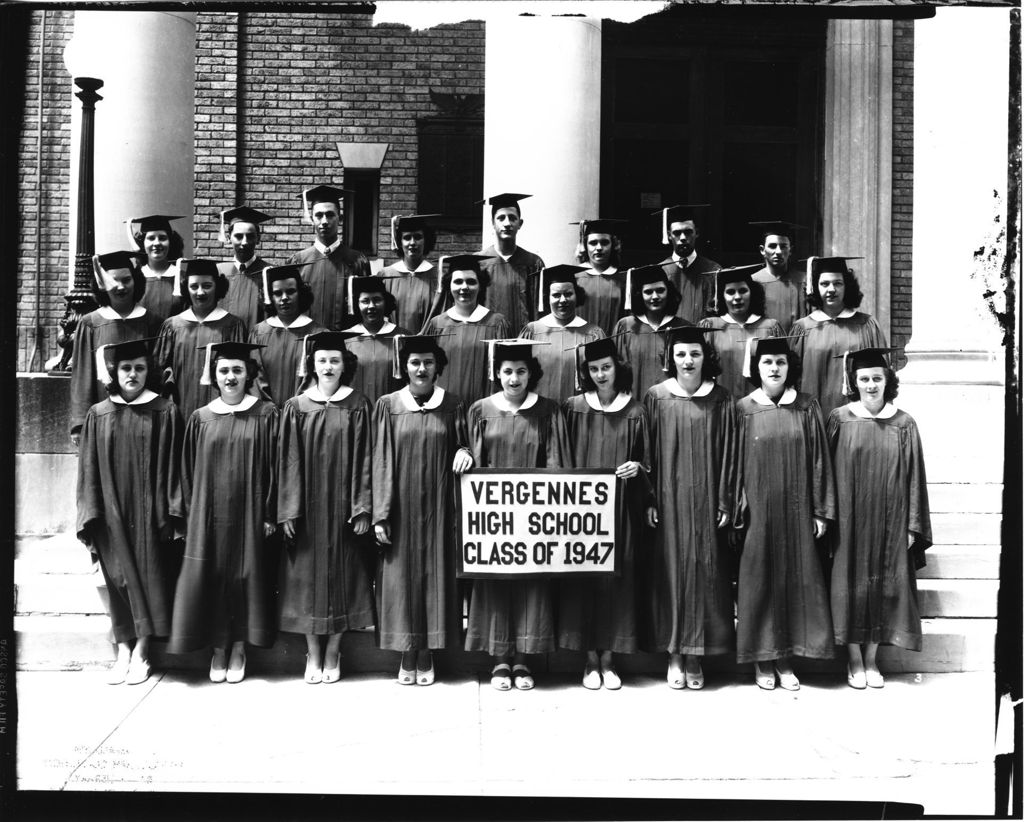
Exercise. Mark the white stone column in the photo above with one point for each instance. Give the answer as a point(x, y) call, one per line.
point(857, 207)
point(144, 147)
point(542, 126)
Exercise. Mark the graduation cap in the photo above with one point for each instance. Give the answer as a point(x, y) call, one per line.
point(688, 334)
point(103, 264)
point(758, 347)
point(413, 344)
point(402, 223)
point(374, 284)
point(273, 273)
point(323, 340)
point(196, 267)
point(816, 266)
point(781, 228)
point(862, 358)
point(108, 356)
point(321, 194)
point(240, 214)
point(735, 274)
point(563, 273)
point(598, 225)
point(154, 222)
point(513, 348)
point(639, 277)
point(459, 262)
point(676, 214)
point(229, 350)
point(503, 201)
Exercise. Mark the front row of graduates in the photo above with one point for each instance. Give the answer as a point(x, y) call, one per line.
point(694, 465)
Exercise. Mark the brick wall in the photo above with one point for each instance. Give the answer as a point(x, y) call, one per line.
point(43, 181)
point(901, 267)
point(305, 82)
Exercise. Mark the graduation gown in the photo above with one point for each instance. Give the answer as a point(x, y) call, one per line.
point(513, 289)
point(696, 284)
point(128, 490)
point(730, 344)
point(281, 361)
point(228, 483)
point(510, 616)
point(688, 573)
point(559, 365)
point(600, 612)
point(639, 344)
point(605, 296)
point(159, 298)
point(104, 326)
point(325, 448)
point(882, 494)
point(326, 278)
point(414, 492)
point(245, 291)
point(415, 292)
point(784, 298)
point(821, 341)
point(466, 375)
point(177, 356)
point(375, 370)
point(783, 480)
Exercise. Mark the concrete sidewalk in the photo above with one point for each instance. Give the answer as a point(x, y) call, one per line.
point(924, 739)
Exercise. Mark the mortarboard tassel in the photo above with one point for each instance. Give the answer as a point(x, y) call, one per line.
point(205, 378)
point(266, 285)
point(101, 366)
point(223, 227)
point(746, 356)
point(396, 361)
point(348, 296)
point(394, 232)
point(131, 234)
point(809, 279)
point(664, 227)
point(540, 292)
point(182, 271)
point(305, 206)
point(440, 272)
point(301, 372)
point(104, 282)
point(628, 305)
point(846, 374)
point(490, 361)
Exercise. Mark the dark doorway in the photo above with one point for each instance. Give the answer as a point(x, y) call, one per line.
point(719, 108)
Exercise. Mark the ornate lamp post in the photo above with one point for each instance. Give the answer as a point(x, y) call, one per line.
point(79, 299)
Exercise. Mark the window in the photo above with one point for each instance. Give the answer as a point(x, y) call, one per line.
point(451, 170)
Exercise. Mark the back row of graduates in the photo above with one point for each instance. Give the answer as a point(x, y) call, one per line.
point(761, 464)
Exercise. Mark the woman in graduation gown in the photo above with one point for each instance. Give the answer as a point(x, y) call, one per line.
point(562, 328)
point(884, 524)
point(514, 428)
point(180, 349)
point(281, 359)
point(374, 375)
point(693, 430)
point(833, 327)
point(785, 497)
point(229, 489)
point(604, 284)
point(162, 247)
point(323, 505)
point(420, 443)
point(653, 301)
point(118, 288)
point(739, 302)
point(607, 429)
point(129, 497)
point(465, 326)
point(412, 279)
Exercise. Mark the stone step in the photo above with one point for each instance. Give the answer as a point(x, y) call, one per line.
point(59, 594)
point(961, 562)
point(966, 529)
point(82, 642)
point(970, 598)
point(969, 498)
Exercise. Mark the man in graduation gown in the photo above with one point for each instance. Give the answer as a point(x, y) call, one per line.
point(783, 286)
point(689, 272)
point(332, 260)
point(241, 227)
point(513, 270)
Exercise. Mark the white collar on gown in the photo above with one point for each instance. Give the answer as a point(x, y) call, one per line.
point(216, 314)
point(142, 399)
point(420, 269)
point(108, 313)
point(150, 274)
point(672, 386)
point(299, 322)
point(405, 395)
point(478, 314)
point(664, 321)
point(326, 250)
point(502, 404)
point(788, 396)
point(593, 272)
point(218, 406)
point(689, 260)
point(753, 318)
point(387, 328)
point(821, 317)
point(858, 410)
point(550, 321)
point(620, 402)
